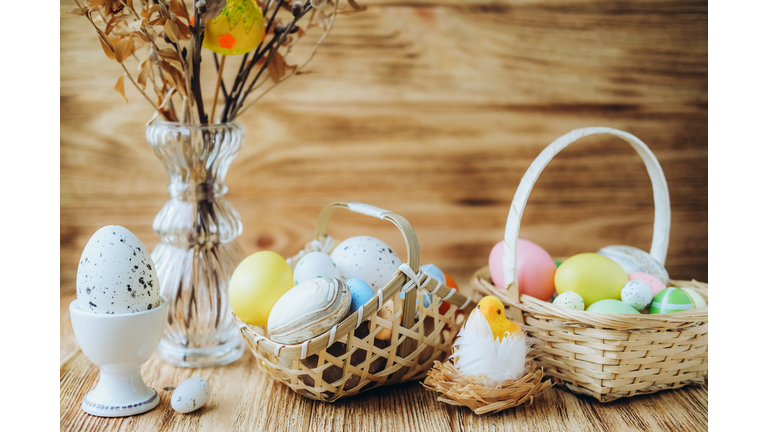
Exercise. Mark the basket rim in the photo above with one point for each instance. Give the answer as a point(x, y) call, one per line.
point(480, 282)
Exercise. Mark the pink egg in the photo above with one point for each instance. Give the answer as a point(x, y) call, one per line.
point(496, 266)
point(653, 281)
point(535, 269)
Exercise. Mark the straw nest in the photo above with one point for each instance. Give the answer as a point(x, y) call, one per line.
point(470, 391)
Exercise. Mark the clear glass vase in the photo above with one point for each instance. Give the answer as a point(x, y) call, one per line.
point(197, 253)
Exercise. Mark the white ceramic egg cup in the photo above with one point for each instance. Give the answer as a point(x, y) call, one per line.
point(119, 345)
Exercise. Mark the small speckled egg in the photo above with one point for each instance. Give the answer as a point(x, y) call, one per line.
point(361, 293)
point(570, 300)
point(190, 395)
point(637, 294)
point(698, 300)
point(611, 306)
point(652, 281)
point(433, 271)
point(116, 274)
point(366, 258)
point(315, 265)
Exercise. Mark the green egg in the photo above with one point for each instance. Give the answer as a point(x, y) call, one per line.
point(610, 306)
point(670, 300)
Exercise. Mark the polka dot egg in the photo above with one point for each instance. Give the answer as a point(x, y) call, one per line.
point(570, 300)
point(637, 294)
point(366, 258)
point(315, 265)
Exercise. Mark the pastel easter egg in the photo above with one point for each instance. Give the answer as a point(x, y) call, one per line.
point(238, 29)
point(592, 276)
point(308, 310)
point(570, 300)
point(433, 271)
point(670, 300)
point(386, 312)
point(610, 306)
point(366, 258)
point(655, 284)
point(315, 265)
point(637, 294)
point(444, 305)
point(535, 270)
point(361, 293)
point(190, 395)
point(697, 298)
point(496, 266)
point(256, 285)
point(426, 299)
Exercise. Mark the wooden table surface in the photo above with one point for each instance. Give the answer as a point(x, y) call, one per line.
point(432, 109)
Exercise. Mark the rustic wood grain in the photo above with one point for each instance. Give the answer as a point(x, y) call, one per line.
point(433, 109)
point(244, 398)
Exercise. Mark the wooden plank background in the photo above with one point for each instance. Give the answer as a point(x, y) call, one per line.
point(432, 109)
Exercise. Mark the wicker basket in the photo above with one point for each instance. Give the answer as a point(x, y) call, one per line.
point(605, 356)
point(347, 359)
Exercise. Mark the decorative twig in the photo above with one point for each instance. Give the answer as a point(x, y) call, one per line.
point(218, 83)
point(311, 55)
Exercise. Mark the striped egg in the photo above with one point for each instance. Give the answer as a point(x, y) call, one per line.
point(670, 300)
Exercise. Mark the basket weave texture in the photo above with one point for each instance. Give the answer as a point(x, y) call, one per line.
point(611, 356)
point(602, 355)
point(347, 359)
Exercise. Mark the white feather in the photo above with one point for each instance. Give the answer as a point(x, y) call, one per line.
point(477, 353)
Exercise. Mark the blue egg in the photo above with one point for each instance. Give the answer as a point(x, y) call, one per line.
point(427, 299)
point(433, 271)
point(361, 293)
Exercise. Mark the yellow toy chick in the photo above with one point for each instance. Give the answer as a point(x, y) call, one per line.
point(493, 311)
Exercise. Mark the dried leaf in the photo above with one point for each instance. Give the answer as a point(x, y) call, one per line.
point(180, 10)
point(276, 68)
point(107, 50)
point(75, 12)
point(143, 73)
point(120, 87)
point(172, 31)
point(123, 49)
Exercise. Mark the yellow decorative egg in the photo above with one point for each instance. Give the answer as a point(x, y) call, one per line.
point(238, 29)
point(592, 276)
point(256, 285)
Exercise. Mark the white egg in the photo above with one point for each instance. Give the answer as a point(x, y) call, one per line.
point(633, 260)
point(116, 274)
point(314, 265)
point(190, 395)
point(637, 294)
point(698, 300)
point(366, 258)
point(570, 300)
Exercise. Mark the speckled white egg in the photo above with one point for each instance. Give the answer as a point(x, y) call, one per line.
point(637, 294)
point(366, 258)
point(190, 395)
point(315, 265)
point(116, 274)
point(570, 300)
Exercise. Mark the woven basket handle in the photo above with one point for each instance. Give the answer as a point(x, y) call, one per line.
point(411, 243)
point(660, 196)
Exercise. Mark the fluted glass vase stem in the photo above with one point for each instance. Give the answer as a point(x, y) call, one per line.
point(197, 252)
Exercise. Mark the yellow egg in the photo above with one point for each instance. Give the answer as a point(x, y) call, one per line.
point(238, 29)
point(256, 285)
point(592, 276)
